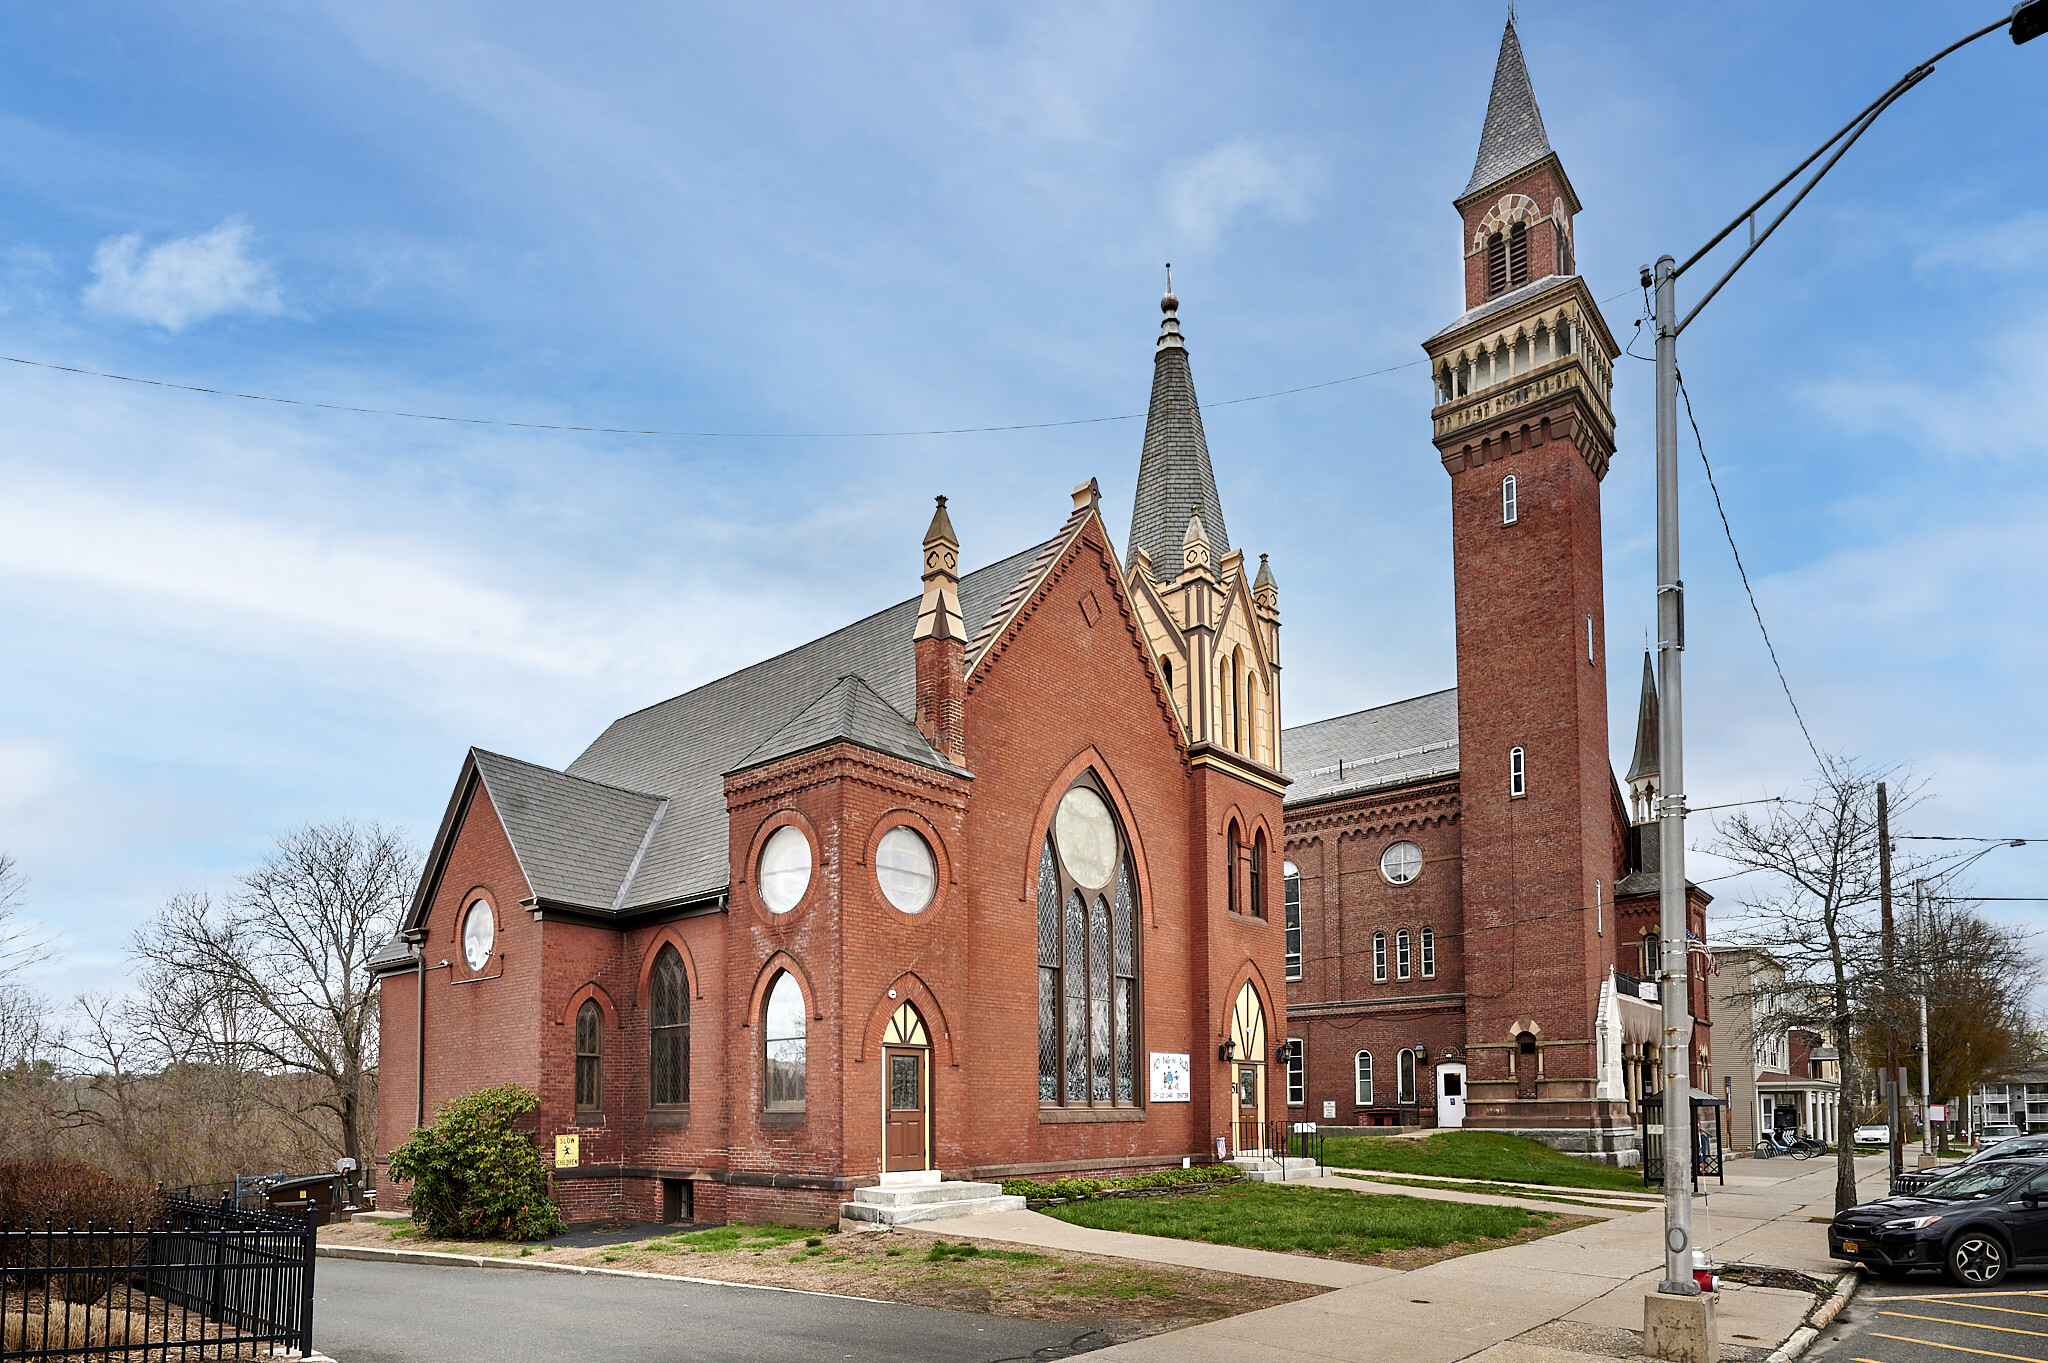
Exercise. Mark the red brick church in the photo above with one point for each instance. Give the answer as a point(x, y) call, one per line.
point(999, 882)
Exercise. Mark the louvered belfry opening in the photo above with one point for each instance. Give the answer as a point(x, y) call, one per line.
point(1496, 265)
point(1518, 255)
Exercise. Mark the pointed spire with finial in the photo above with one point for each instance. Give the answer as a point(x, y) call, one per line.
point(1173, 469)
point(1643, 773)
point(1265, 591)
point(938, 615)
point(1513, 138)
point(1194, 545)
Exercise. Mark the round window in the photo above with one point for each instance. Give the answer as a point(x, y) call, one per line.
point(1401, 863)
point(784, 871)
point(1087, 837)
point(904, 866)
point(477, 932)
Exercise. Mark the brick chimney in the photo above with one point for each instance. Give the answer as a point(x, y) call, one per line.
point(941, 643)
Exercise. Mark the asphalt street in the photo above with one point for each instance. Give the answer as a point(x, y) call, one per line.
point(1927, 1319)
point(414, 1313)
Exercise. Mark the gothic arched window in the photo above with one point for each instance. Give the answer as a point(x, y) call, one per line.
point(1230, 860)
point(668, 1026)
point(1087, 956)
point(1258, 876)
point(783, 1046)
point(1290, 883)
point(589, 1057)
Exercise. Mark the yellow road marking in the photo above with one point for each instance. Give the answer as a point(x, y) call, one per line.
point(1964, 1301)
point(1932, 1344)
point(1967, 1324)
point(1953, 1296)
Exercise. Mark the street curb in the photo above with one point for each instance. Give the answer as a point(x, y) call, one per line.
point(1819, 1318)
point(423, 1256)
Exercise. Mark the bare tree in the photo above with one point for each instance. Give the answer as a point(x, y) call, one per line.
point(277, 980)
point(21, 1008)
point(1979, 978)
point(1817, 913)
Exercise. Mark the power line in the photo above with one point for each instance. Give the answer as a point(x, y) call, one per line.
point(1743, 573)
point(1953, 837)
point(690, 435)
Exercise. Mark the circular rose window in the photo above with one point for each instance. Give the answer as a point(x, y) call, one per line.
point(1087, 836)
point(784, 870)
point(904, 866)
point(477, 933)
point(1401, 863)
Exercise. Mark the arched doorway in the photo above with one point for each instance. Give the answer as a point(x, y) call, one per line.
point(1248, 1071)
point(906, 1093)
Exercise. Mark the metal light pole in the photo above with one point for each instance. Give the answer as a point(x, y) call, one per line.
point(2028, 20)
point(1921, 927)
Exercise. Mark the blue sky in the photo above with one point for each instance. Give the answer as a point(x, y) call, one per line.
point(226, 618)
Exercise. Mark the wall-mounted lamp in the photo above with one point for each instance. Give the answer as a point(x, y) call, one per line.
point(1421, 1054)
point(1227, 1051)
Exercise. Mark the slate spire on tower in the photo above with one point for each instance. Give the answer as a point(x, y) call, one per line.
point(1513, 138)
point(1174, 473)
point(1643, 774)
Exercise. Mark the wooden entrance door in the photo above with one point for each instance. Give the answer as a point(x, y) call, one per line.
point(1248, 1073)
point(905, 1119)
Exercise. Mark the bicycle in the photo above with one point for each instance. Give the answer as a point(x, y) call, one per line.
point(1795, 1144)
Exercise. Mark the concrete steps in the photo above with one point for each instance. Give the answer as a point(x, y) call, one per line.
point(904, 1203)
point(1260, 1167)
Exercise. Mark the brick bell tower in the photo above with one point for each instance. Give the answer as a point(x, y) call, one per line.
point(1523, 423)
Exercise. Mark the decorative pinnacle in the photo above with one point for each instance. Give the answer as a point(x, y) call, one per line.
point(941, 531)
point(1169, 327)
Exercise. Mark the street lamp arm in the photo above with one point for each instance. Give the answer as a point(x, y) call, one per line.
point(1850, 131)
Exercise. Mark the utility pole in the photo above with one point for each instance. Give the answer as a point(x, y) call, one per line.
point(1672, 989)
point(1896, 1151)
point(1921, 926)
point(1674, 1327)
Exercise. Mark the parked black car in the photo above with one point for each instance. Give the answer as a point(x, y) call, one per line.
point(1975, 1224)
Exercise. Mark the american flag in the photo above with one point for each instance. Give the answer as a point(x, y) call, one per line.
point(1695, 947)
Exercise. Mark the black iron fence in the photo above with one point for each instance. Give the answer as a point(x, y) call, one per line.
point(1277, 1140)
point(202, 1281)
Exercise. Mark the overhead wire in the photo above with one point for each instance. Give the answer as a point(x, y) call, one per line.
point(1743, 573)
point(684, 434)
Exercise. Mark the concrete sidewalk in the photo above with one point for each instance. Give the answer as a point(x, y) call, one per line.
point(1591, 1279)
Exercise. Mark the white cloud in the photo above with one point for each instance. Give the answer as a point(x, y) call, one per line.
point(2014, 244)
point(1204, 195)
point(183, 280)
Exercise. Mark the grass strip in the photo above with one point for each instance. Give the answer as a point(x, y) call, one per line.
point(1325, 1221)
point(1486, 1155)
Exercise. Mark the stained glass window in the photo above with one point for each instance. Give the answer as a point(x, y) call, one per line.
point(1088, 954)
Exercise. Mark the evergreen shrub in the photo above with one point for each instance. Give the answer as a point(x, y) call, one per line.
point(473, 1176)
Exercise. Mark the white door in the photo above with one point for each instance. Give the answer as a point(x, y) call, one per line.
point(1450, 1095)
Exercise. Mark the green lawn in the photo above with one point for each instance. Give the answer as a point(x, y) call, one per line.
point(1321, 1220)
point(1476, 1154)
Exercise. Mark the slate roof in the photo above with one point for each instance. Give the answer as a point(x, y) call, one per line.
point(849, 711)
point(1387, 745)
point(578, 841)
point(1506, 300)
point(1174, 473)
point(1513, 138)
point(682, 748)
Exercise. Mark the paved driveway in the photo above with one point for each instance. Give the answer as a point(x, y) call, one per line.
point(1927, 1319)
point(416, 1313)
